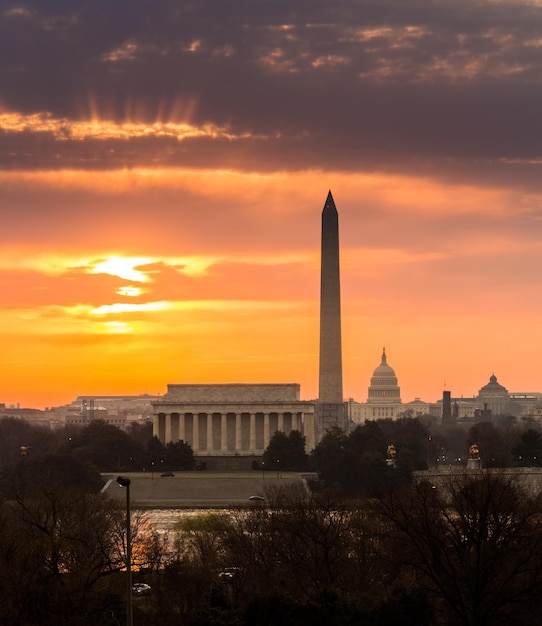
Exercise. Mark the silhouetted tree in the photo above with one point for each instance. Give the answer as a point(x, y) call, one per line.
point(356, 462)
point(17, 433)
point(52, 473)
point(141, 432)
point(155, 453)
point(107, 447)
point(494, 451)
point(286, 452)
point(473, 543)
point(332, 458)
point(528, 450)
point(59, 540)
point(178, 455)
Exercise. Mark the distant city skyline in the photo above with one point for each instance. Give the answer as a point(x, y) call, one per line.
point(361, 399)
point(161, 183)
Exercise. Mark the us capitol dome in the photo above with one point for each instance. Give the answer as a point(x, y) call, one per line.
point(384, 396)
point(384, 391)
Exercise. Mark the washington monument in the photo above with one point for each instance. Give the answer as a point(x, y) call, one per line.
point(330, 395)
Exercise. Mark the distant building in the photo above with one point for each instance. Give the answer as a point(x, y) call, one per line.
point(36, 417)
point(418, 407)
point(384, 398)
point(449, 416)
point(493, 401)
point(120, 411)
point(528, 404)
point(231, 420)
point(494, 397)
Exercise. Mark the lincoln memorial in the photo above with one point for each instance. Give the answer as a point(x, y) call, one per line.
point(232, 419)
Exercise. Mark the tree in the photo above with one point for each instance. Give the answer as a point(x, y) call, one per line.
point(107, 447)
point(178, 455)
point(474, 544)
point(286, 452)
point(356, 462)
point(528, 451)
point(331, 458)
point(59, 541)
point(17, 433)
point(202, 537)
point(492, 444)
point(155, 453)
point(409, 435)
point(51, 473)
point(315, 559)
point(141, 432)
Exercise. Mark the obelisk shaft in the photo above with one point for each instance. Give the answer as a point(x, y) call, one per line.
point(330, 396)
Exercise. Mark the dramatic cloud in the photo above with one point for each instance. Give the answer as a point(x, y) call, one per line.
point(441, 88)
point(163, 166)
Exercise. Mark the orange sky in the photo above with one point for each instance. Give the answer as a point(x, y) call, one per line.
point(162, 182)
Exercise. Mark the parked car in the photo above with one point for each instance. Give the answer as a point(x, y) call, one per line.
point(256, 498)
point(229, 573)
point(167, 474)
point(141, 589)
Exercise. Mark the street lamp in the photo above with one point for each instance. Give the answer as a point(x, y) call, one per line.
point(125, 482)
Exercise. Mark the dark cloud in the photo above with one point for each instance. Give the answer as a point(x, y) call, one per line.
point(443, 88)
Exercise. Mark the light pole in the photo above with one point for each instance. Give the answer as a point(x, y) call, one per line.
point(125, 482)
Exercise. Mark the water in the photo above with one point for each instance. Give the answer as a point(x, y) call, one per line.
point(164, 520)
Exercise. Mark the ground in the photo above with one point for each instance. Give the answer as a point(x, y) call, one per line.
point(195, 489)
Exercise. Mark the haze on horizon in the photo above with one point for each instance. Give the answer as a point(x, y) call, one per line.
point(163, 171)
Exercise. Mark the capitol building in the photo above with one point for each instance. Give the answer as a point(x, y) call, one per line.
point(384, 398)
point(493, 399)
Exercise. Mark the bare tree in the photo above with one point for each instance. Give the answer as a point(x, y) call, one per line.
point(474, 544)
point(306, 543)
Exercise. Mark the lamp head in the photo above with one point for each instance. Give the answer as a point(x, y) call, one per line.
point(123, 481)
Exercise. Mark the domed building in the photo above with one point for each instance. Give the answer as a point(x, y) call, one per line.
point(384, 398)
point(384, 392)
point(494, 397)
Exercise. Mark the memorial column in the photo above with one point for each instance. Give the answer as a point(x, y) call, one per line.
point(224, 431)
point(265, 430)
point(182, 427)
point(238, 432)
point(195, 432)
point(252, 432)
point(209, 431)
point(167, 434)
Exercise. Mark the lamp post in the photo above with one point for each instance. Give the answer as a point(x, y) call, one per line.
point(125, 482)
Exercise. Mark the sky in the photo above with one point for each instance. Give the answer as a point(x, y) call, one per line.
point(164, 165)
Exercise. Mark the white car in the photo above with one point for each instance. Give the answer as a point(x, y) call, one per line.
point(141, 589)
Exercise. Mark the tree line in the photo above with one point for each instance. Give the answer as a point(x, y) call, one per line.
point(368, 545)
point(102, 445)
point(465, 553)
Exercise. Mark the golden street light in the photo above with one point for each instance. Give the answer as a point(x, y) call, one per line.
point(125, 482)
